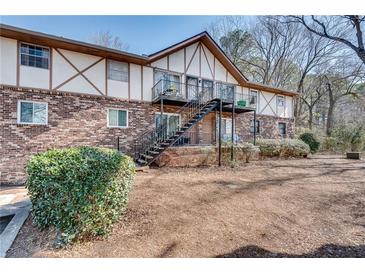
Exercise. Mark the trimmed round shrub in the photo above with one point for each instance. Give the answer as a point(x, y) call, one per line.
point(79, 191)
point(311, 141)
point(283, 148)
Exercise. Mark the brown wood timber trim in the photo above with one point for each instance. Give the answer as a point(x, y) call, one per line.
point(213, 67)
point(106, 77)
point(17, 63)
point(192, 58)
point(50, 67)
point(200, 59)
point(69, 93)
point(168, 62)
point(79, 72)
point(206, 58)
point(268, 104)
point(129, 81)
point(142, 83)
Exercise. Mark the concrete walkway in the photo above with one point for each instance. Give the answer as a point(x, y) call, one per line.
point(14, 210)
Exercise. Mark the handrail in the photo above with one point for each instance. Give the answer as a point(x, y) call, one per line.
point(160, 134)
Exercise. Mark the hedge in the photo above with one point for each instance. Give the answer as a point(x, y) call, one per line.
point(79, 191)
point(310, 139)
point(282, 148)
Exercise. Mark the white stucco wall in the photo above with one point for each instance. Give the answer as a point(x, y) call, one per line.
point(176, 61)
point(135, 82)
point(147, 83)
point(8, 53)
point(118, 89)
point(34, 77)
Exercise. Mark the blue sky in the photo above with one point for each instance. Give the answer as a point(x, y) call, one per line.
point(143, 34)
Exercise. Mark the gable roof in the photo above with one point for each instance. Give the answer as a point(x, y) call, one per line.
point(92, 49)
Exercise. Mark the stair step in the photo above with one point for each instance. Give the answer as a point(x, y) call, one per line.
point(153, 152)
point(146, 156)
point(140, 161)
point(158, 147)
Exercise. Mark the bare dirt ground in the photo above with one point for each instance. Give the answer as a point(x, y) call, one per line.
point(279, 208)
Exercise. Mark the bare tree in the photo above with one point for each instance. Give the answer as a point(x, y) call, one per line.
point(341, 81)
point(313, 92)
point(343, 29)
point(107, 39)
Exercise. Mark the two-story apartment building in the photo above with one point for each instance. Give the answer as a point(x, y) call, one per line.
point(57, 92)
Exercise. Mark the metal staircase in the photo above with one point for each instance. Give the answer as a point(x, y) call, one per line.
point(151, 144)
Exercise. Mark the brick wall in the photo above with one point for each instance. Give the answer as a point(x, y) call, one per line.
point(75, 119)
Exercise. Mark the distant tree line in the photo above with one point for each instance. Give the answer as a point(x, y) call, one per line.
point(321, 57)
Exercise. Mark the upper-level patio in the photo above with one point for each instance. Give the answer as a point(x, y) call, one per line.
point(178, 93)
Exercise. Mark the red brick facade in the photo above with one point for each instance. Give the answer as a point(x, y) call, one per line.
point(75, 119)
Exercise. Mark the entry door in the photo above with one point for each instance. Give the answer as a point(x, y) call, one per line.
point(171, 121)
point(192, 87)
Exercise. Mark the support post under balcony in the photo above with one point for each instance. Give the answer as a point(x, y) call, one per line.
point(232, 133)
point(254, 127)
point(220, 134)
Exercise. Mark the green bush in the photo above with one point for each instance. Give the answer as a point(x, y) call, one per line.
point(79, 191)
point(311, 141)
point(241, 151)
point(329, 144)
point(349, 137)
point(283, 148)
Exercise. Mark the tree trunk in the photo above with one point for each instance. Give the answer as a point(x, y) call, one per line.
point(331, 107)
point(310, 119)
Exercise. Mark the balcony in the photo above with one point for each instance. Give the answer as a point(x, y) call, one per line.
point(177, 93)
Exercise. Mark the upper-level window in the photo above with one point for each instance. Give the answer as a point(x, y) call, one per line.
point(281, 101)
point(225, 91)
point(118, 71)
point(253, 97)
point(32, 113)
point(34, 56)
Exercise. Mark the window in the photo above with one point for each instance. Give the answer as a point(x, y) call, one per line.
point(208, 87)
point(117, 118)
point(282, 128)
point(281, 101)
point(171, 120)
point(225, 91)
point(32, 113)
point(118, 71)
point(252, 129)
point(170, 84)
point(253, 97)
point(34, 56)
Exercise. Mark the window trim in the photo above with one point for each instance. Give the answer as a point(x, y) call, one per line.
point(36, 45)
point(107, 118)
point(258, 129)
point(277, 101)
point(169, 114)
point(32, 123)
point(285, 128)
point(107, 70)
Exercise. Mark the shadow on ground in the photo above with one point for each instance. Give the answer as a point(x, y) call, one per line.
point(325, 251)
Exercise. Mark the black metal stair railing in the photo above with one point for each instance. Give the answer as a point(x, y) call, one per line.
point(150, 145)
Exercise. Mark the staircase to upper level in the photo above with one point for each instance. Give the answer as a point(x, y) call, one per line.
point(151, 144)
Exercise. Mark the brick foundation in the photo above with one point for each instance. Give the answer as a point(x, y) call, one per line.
point(75, 120)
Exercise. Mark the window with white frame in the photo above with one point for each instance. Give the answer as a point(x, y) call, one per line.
point(281, 101)
point(118, 71)
point(33, 113)
point(117, 118)
point(282, 128)
point(252, 128)
point(34, 56)
point(253, 97)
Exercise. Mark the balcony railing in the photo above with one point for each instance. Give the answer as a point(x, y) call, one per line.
point(179, 91)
